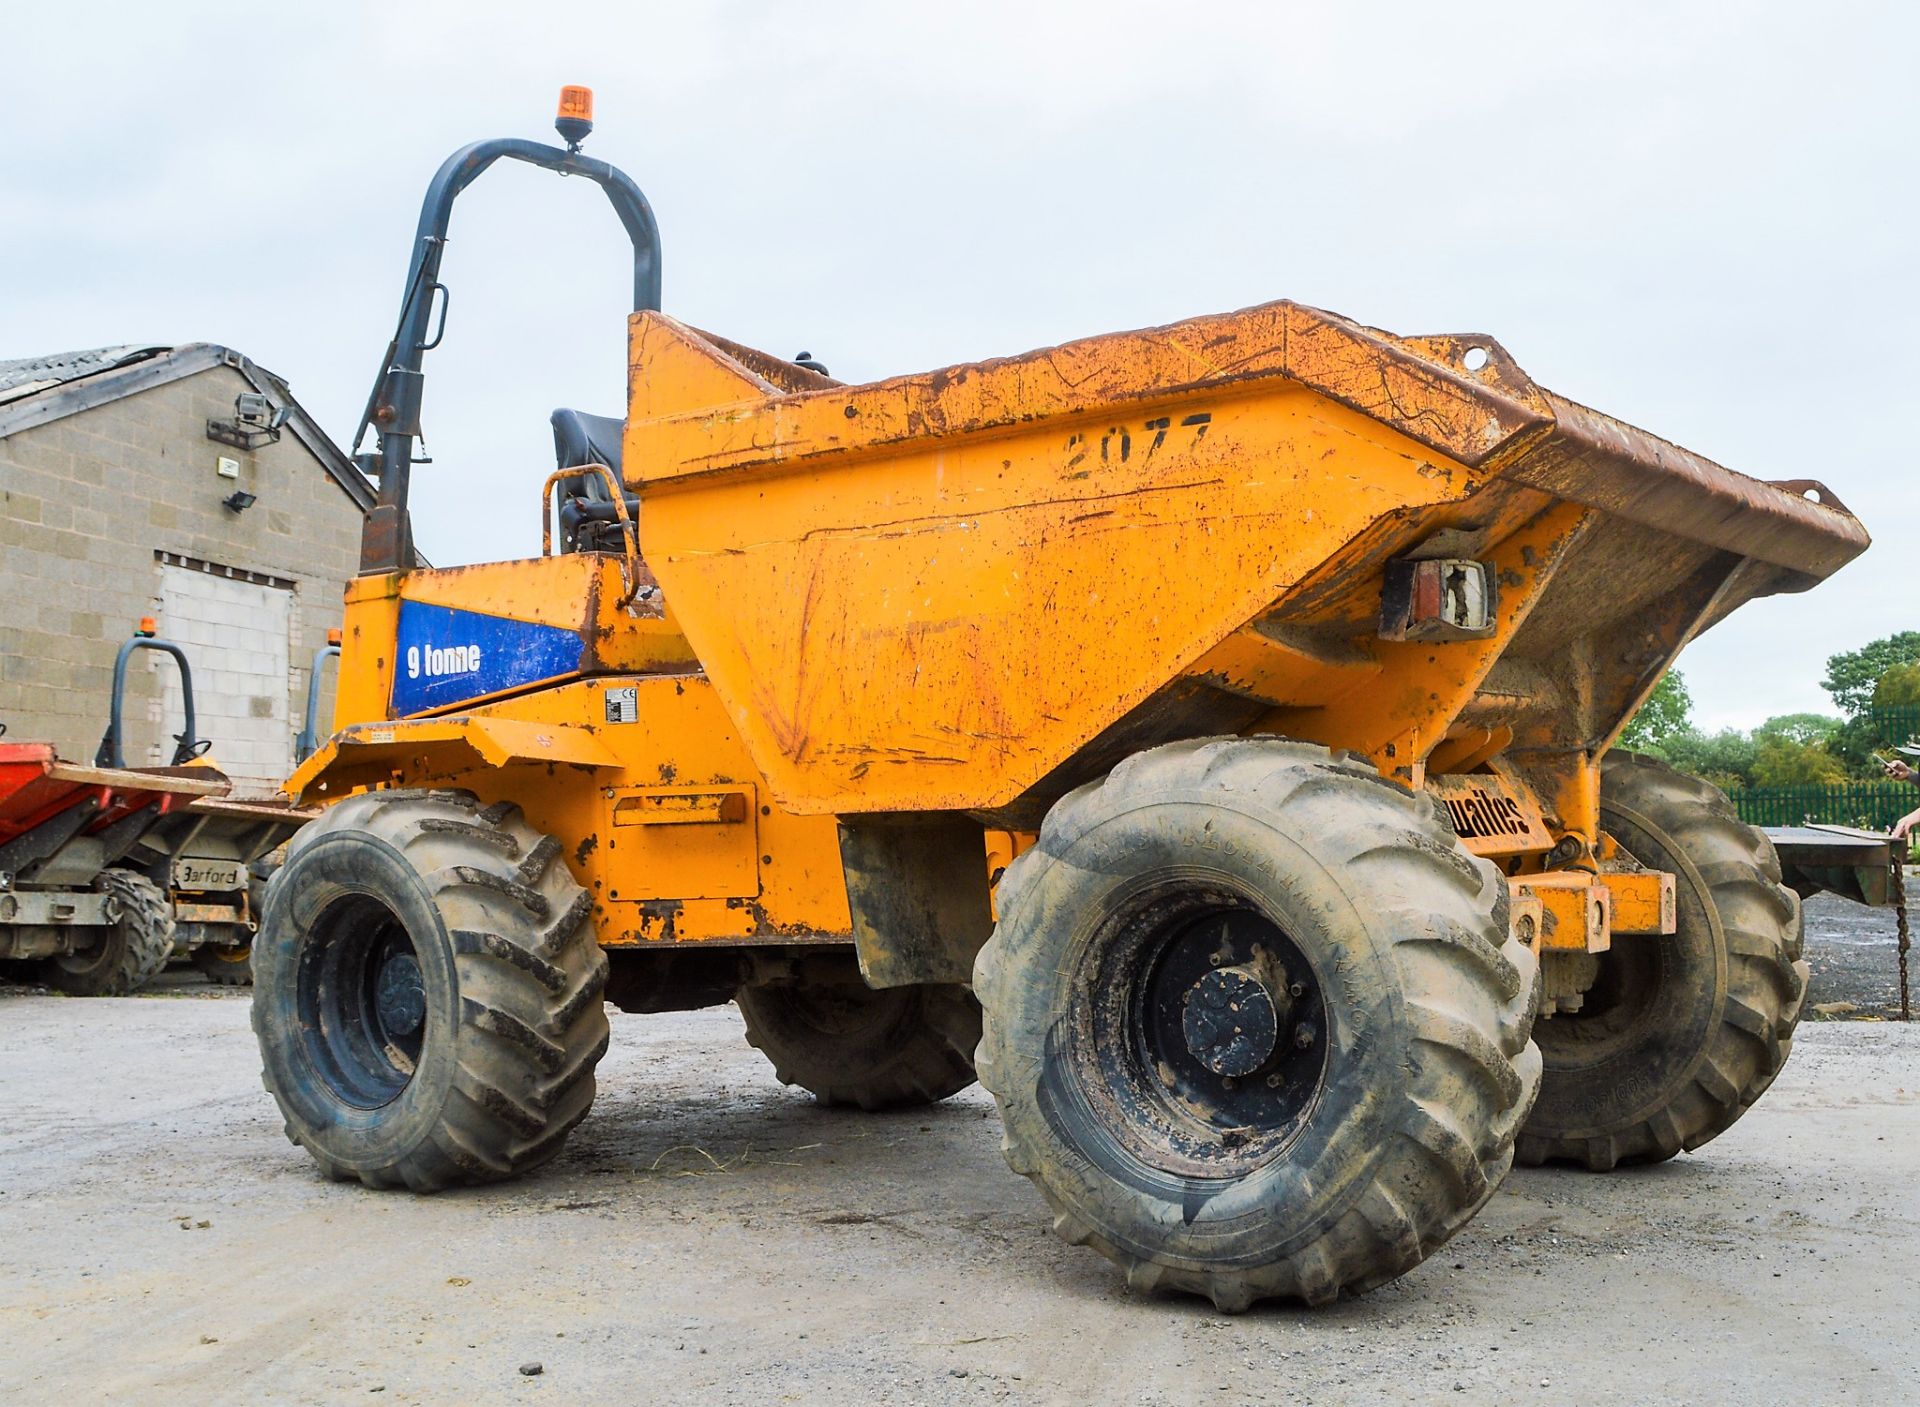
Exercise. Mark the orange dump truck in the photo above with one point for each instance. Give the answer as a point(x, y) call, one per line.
point(1200, 735)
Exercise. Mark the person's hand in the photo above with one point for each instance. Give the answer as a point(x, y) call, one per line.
point(1899, 771)
point(1905, 824)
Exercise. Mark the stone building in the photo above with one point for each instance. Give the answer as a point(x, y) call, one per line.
point(183, 483)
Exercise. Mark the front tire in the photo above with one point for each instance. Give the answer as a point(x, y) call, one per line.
point(427, 992)
point(1255, 1022)
point(1680, 1034)
point(128, 954)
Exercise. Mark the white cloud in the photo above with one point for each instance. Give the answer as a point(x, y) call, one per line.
point(1698, 218)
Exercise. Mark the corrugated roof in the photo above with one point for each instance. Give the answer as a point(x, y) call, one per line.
point(30, 374)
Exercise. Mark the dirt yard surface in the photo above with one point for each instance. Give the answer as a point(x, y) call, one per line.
point(711, 1237)
point(1851, 949)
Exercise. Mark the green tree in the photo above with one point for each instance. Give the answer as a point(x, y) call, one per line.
point(1780, 761)
point(1725, 758)
point(1895, 717)
point(1800, 727)
point(1853, 675)
point(1899, 687)
point(1666, 714)
point(1854, 743)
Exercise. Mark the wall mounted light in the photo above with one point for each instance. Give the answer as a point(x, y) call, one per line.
point(239, 500)
point(256, 422)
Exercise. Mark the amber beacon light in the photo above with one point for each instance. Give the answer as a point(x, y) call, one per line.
point(575, 118)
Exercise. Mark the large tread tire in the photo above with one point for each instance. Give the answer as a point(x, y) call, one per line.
point(233, 966)
point(225, 966)
point(1681, 1033)
point(849, 1044)
point(1429, 1003)
point(130, 953)
point(510, 976)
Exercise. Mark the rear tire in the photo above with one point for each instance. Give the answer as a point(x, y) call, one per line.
point(427, 992)
point(850, 1044)
point(233, 966)
point(1347, 1099)
point(225, 966)
point(128, 954)
point(1680, 1034)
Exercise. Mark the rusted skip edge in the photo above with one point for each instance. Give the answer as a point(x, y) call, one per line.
point(1592, 458)
point(1466, 417)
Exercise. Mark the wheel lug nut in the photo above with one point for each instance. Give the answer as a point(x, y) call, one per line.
point(1273, 1080)
point(1303, 1036)
point(1228, 1081)
point(1296, 989)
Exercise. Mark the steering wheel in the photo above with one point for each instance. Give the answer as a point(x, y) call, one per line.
point(182, 753)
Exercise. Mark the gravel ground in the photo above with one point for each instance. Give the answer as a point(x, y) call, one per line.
point(1851, 949)
point(708, 1236)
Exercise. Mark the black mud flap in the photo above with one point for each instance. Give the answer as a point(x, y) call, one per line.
point(917, 888)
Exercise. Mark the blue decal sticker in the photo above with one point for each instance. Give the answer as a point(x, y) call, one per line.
point(447, 657)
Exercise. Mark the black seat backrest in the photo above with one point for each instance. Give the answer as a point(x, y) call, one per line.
point(588, 520)
point(579, 438)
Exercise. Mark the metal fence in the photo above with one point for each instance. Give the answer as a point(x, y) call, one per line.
point(1868, 805)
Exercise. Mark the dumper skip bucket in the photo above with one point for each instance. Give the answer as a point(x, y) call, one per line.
point(973, 588)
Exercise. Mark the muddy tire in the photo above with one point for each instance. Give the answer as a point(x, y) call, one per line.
point(225, 966)
point(427, 992)
point(1680, 1034)
point(128, 954)
point(846, 1043)
point(233, 966)
point(1282, 914)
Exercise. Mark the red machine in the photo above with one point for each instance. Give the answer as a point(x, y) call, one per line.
point(95, 927)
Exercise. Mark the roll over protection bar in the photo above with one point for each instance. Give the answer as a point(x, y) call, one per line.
point(187, 745)
point(393, 408)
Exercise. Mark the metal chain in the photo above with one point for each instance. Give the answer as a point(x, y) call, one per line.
point(1898, 881)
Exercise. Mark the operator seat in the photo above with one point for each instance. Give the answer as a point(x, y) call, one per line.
point(588, 522)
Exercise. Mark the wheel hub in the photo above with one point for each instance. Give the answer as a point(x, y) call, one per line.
point(1232, 1020)
point(361, 1001)
point(400, 996)
point(1206, 1032)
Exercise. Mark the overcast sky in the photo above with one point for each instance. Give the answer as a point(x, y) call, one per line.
point(1699, 218)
